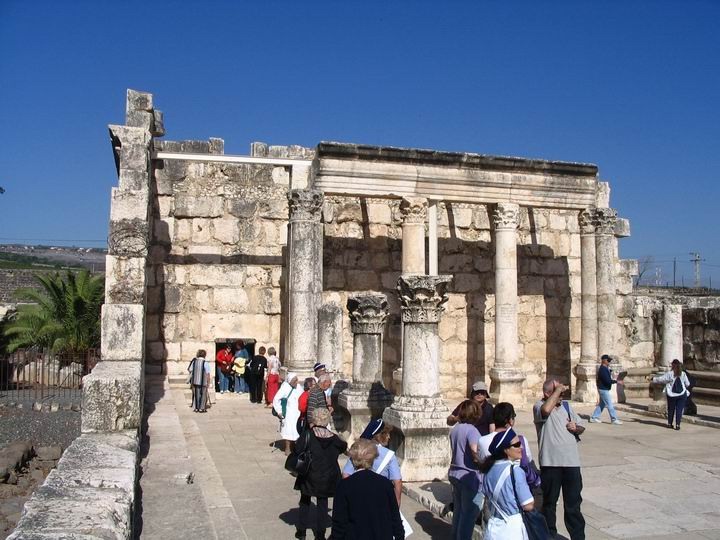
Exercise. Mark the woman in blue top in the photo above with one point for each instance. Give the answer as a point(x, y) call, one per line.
point(505, 518)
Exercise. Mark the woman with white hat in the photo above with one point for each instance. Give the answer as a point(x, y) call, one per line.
point(285, 407)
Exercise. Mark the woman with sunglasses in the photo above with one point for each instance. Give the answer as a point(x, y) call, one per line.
point(507, 496)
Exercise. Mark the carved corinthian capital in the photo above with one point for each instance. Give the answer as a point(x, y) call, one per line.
point(368, 312)
point(413, 209)
point(506, 216)
point(587, 221)
point(604, 220)
point(305, 204)
point(422, 297)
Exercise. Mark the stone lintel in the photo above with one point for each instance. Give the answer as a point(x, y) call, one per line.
point(368, 313)
point(422, 298)
point(415, 156)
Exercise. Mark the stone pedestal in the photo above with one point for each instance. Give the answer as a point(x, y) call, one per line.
point(366, 398)
point(420, 413)
point(506, 378)
point(585, 388)
point(605, 219)
point(305, 239)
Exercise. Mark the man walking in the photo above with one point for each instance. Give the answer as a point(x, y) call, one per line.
point(559, 429)
point(604, 383)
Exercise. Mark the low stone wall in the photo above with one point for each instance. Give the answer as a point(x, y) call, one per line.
point(91, 493)
point(12, 280)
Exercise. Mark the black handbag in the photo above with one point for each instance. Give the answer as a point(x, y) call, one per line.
point(534, 521)
point(298, 464)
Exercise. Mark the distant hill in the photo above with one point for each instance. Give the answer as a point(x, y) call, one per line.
point(27, 257)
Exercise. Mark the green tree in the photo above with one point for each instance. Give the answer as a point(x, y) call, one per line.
point(64, 316)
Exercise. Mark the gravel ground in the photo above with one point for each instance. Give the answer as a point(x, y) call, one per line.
point(42, 428)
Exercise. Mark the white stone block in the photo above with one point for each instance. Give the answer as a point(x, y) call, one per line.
point(123, 332)
point(192, 206)
point(217, 276)
point(379, 213)
point(112, 397)
point(128, 205)
point(226, 230)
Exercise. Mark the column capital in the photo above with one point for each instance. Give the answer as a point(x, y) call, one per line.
point(604, 220)
point(414, 209)
point(506, 216)
point(368, 312)
point(422, 297)
point(305, 204)
point(586, 219)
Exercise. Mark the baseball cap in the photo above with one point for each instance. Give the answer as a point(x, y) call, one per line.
point(479, 386)
point(606, 357)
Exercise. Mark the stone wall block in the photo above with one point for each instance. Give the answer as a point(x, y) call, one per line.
point(124, 280)
point(112, 397)
point(128, 135)
point(134, 156)
point(217, 276)
point(244, 209)
point(123, 329)
point(201, 231)
point(190, 206)
point(140, 119)
point(133, 179)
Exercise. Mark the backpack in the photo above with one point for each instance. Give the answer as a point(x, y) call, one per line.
point(677, 387)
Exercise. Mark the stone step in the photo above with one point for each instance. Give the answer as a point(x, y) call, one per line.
point(706, 396)
point(177, 381)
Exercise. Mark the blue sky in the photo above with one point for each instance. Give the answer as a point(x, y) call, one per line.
point(631, 86)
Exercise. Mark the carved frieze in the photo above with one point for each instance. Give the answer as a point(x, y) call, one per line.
point(305, 204)
point(604, 220)
point(368, 313)
point(422, 298)
point(413, 209)
point(128, 238)
point(506, 216)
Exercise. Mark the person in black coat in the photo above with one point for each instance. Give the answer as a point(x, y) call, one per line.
point(365, 506)
point(324, 474)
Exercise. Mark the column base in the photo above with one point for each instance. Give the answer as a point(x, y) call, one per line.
point(659, 402)
point(363, 404)
point(506, 384)
point(586, 386)
point(423, 451)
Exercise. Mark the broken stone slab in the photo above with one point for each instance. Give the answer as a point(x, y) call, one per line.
point(13, 456)
point(123, 335)
point(112, 397)
point(88, 512)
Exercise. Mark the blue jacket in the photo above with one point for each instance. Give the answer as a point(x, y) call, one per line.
point(604, 381)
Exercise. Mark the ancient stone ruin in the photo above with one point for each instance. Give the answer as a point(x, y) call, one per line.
point(409, 273)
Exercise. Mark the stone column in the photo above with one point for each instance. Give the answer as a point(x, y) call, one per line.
point(305, 237)
point(672, 338)
point(420, 412)
point(672, 347)
point(330, 337)
point(605, 219)
point(414, 215)
point(432, 239)
point(366, 397)
point(586, 389)
point(506, 378)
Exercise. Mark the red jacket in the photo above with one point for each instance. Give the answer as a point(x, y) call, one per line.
point(224, 359)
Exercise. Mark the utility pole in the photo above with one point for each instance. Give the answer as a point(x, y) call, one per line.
point(696, 260)
point(674, 270)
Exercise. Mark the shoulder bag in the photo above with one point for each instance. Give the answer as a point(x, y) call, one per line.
point(298, 464)
point(534, 521)
point(283, 405)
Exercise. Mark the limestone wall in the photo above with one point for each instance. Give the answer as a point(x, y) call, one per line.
point(12, 280)
point(218, 255)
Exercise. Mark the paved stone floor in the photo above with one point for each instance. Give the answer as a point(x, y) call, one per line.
point(641, 480)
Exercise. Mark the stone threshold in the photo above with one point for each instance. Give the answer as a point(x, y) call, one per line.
point(700, 420)
point(424, 493)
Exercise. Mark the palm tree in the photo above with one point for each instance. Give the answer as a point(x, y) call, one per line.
point(64, 316)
